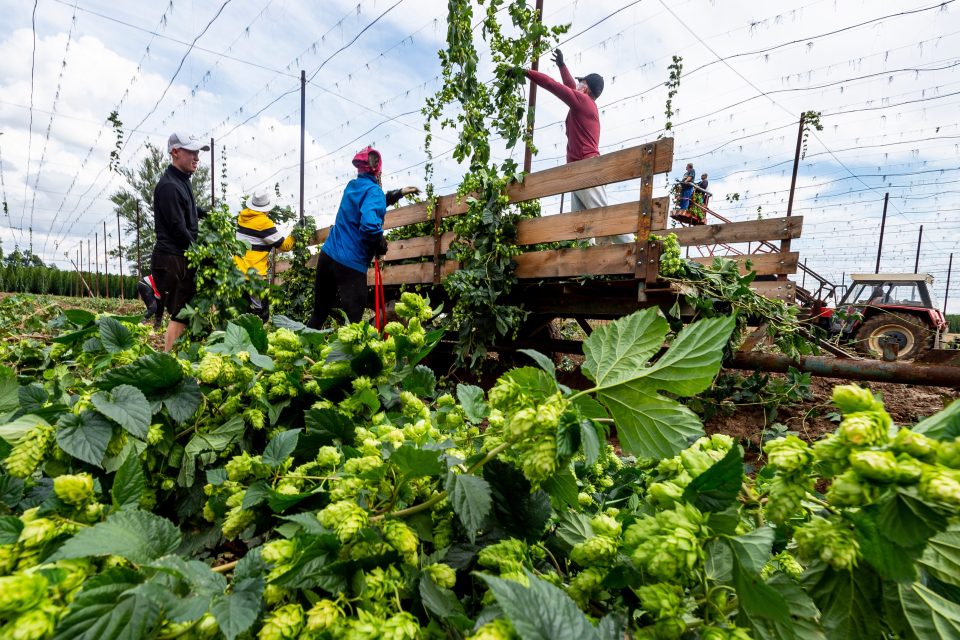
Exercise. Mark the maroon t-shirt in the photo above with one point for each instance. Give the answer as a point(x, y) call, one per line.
point(583, 119)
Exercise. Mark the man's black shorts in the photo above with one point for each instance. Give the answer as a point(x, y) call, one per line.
point(174, 280)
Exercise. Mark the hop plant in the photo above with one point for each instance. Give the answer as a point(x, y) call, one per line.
point(344, 517)
point(29, 451)
point(443, 574)
point(284, 623)
point(35, 624)
point(402, 538)
point(785, 496)
point(21, 592)
point(671, 262)
point(209, 368)
point(832, 541)
point(863, 429)
point(941, 485)
point(76, 490)
point(851, 398)
point(400, 626)
point(323, 615)
point(879, 466)
point(499, 629)
point(915, 444)
point(788, 454)
point(661, 599)
point(667, 545)
point(278, 552)
point(850, 490)
point(948, 453)
point(598, 550)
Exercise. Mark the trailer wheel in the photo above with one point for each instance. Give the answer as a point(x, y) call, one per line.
point(913, 336)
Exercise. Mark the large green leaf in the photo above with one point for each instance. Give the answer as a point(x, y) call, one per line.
point(471, 399)
point(540, 611)
point(470, 497)
point(942, 555)
point(114, 336)
point(614, 352)
point(109, 607)
point(752, 549)
point(944, 425)
point(905, 519)
point(139, 536)
point(930, 615)
point(718, 487)
point(79, 317)
point(127, 406)
point(421, 381)
point(694, 357)
point(414, 462)
point(280, 447)
point(848, 601)
point(236, 611)
point(255, 330)
point(9, 395)
point(441, 602)
point(218, 438)
point(151, 374)
point(84, 436)
point(10, 528)
point(799, 619)
point(889, 559)
point(184, 400)
point(128, 484)
point(649, 424)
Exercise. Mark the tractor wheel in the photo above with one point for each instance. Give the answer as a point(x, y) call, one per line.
point(909, 331)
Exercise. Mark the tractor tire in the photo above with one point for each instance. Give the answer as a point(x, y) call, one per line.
point(914, 337)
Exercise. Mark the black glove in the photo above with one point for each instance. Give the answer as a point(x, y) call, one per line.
point(558, 57)
point(379, 245)
point(519, 73)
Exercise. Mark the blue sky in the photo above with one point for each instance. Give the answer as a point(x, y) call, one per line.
point(885, 89)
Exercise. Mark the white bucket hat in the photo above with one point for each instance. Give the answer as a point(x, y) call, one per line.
point(260, 201)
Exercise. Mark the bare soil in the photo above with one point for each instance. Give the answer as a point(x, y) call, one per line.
point(907, 405)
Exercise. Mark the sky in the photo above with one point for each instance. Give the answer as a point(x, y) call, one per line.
point(884, 75)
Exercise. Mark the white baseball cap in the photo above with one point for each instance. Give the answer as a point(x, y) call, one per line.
point(260, 201)
point(181, 140)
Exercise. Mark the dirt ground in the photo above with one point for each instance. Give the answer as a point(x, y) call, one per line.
point(907, 404)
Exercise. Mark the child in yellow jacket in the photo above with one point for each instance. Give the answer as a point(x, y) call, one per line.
point(256, 228)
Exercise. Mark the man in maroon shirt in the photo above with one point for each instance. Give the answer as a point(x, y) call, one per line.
point(582, 126)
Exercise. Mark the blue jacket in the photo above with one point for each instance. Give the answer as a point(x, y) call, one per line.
point(359, 224)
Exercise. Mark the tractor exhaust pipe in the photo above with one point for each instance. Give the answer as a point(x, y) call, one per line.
point(850, 369)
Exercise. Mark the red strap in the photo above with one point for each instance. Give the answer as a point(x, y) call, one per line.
point(379, 310)
point(153, 285)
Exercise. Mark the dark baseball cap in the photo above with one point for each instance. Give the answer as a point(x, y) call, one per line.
point(595, 82)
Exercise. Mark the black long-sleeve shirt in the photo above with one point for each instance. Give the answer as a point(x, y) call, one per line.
point(175, 213)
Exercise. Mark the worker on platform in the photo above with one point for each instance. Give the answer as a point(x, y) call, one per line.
point(582, 127)
point(703, 184)
point(354, 240)
point(255, 227)
point(686, 187)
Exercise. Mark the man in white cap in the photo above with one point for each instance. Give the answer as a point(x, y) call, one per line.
point(255, 227)
point(176, 224)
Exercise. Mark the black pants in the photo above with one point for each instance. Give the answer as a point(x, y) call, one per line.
point(336, 283)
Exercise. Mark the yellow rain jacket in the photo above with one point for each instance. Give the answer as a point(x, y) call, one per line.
point(258, 229)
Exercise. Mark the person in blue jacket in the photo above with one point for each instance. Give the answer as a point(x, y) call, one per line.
point(355, 238)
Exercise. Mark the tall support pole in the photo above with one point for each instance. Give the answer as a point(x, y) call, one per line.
point(796, 167)
point(883, 225)
point(120, 255)
point(89, 265)
point(213, 182)
point(532, 105)
point(106, 263)
point(77, 291)
point(946, 295)
point(803, 285)
point(96, 262)
point(80, 264)
point(303, 129)
point(916, 264)
point(139, 261)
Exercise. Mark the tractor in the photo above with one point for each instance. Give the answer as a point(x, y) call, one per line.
point(891, 308)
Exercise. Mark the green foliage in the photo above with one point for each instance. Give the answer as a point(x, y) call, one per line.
point(297, 299)
point(672, 84)
point(223, 292)
point(733, 391)
point(357, 504)
point(810, 119)
point(486, 235)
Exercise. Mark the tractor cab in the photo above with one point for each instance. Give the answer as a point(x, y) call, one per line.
point(889, 306)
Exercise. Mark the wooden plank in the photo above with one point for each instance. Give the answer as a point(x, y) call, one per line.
point(778, 290)
point(562, 263)
point(593, 172)
point(765, 264)
point(581, 225)
point(733, 232)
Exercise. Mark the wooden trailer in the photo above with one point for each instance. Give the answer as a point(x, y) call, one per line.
point(564, 283)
